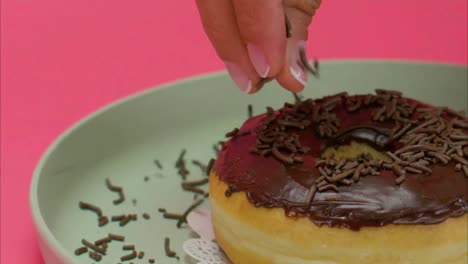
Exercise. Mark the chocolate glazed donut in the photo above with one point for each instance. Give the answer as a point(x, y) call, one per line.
point(276, 159)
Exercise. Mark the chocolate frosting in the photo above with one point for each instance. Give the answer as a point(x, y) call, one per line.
point(373, 201)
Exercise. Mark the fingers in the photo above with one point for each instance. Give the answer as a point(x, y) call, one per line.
point(307, 6)
point(262, 28)
point(293, 76)
point(250, 37)
point(219, 22)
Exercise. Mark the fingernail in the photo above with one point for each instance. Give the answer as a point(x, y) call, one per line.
point(239, 77)
point(296, 68)
point(259, 60)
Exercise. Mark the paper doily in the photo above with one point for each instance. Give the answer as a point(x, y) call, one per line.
point(207, 252)
point(203, 249)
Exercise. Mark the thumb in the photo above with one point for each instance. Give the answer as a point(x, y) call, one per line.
point(293, 76)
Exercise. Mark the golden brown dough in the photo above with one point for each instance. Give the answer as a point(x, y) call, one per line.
point(260, 235)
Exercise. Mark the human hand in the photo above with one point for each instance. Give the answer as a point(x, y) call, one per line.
point(250, 37)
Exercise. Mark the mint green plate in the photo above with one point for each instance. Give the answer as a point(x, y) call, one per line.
point(122, 140)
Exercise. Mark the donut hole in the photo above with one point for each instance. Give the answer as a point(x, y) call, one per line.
point(352, 151)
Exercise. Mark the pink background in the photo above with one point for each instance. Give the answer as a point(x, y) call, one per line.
point(61, 60)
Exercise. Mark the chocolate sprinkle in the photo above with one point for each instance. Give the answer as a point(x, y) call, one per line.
point(232, 133)
point(116, 237)
point(183, 219)
point(193, 186)
point(103, 220)
point(327, 187)
point(249, 111)
point(297, 98)
point(116, 189)
point(193, 189)
point(460, 123)
point(95, 256)
point(303, 62)
point(93, 247)
point(181, 165)
point(167, 248)
point(280, 156)
point(400, 179)
point(397, 169)
point(130, 256)
point(158, 164)
point(81, 250)
point(353, 106)
point(90, 207)
point(128, 247)
point(180, 159)
point(102, 241)
point(460, 159)
point(200, 165)
point(311, 194)
point(116, 218)
point(216, 149)
point(209, 167)
point(173, 216)
point(420, 167)
point(124, 219)
point(288, 26)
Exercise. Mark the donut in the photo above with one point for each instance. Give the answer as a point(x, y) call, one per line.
point(375, 178)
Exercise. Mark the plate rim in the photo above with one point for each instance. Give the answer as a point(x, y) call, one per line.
point(46, 236)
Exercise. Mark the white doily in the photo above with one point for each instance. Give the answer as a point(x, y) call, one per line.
point(200, 222)
point(207, 252)
point(203, 249)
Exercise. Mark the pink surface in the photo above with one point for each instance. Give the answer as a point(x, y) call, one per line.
point(61, 60)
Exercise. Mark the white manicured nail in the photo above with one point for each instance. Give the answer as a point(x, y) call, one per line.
point(259, 60)
point(239, 77)
point(296, 68)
